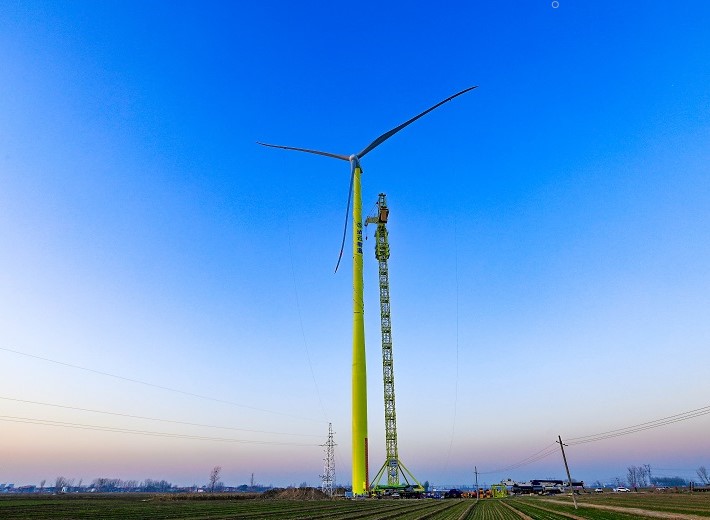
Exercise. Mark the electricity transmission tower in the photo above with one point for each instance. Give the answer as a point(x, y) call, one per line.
point(328, 476)
point(393, 467)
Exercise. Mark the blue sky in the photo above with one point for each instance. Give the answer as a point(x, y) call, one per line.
point(549, 233)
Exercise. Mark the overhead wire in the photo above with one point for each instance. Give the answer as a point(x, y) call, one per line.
point(649, 425)
point(535, 457)
point(161, 387)
point(674, 469)
point(112, 429)
point(141, 417)
point(549, 450)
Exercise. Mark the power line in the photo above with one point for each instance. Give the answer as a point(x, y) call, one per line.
point(535, 457)
point(154, 418)
point(674, 469)
point(111, 429)
point(152, 385)
point(684, 416)
point(546, 452)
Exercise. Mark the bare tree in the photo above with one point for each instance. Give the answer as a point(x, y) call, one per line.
point(98, 484)
point(41, 484)
point(214, 477)
point(155, 485)
point(632, 476)
point(703, 474)
point(59, 483)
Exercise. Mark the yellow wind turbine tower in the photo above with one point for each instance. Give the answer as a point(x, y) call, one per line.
point(359, 377)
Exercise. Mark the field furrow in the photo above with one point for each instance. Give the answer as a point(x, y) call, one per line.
point(147, 507)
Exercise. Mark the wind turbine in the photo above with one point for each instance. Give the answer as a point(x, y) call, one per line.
point(360, 477)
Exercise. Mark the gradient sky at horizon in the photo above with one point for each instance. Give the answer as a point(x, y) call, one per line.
point(549, 233)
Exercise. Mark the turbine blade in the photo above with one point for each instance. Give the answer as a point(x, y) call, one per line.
point(347, 217)
point(387, 135)
point(327, 154)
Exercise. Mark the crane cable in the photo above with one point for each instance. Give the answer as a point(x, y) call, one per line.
point(300, 319)
point(456, 380)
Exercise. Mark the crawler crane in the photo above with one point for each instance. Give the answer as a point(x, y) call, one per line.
point(393, 467)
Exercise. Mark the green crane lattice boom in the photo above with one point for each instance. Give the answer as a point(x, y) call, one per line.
point(393, 467)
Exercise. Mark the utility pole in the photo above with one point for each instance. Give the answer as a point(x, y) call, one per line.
point(475, 470)
point(569, 478)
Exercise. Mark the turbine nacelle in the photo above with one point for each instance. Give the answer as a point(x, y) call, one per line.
point(355, 162)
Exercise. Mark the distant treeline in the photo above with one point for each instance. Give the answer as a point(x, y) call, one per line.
point(117, 485)
point(670, 481)
point(112, 485)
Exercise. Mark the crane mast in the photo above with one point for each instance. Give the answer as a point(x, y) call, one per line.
point(392, 466)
